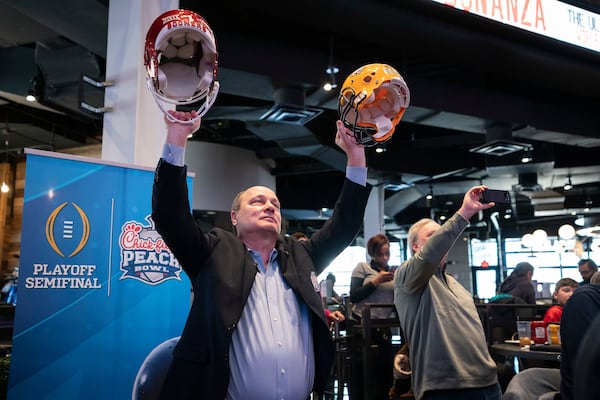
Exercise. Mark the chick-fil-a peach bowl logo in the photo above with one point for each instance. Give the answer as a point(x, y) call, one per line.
point(144, 254)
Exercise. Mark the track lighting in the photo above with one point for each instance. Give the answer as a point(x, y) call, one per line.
point(331, 70)
point(331, 83)
point(36, 90)
point(527, 157)
point(30, 96)
point(430, 194)
point(569, 184)
point(329, 86)
point(381, 148)
point(4, 188)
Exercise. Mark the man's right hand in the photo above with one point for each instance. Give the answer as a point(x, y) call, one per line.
point(346, 141)
point(471, 204)
point(177, 132)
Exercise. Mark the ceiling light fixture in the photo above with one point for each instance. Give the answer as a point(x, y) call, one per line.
point(527, 157)
point(380, 149)
point(569, 184)
point(539, 236)
point(500, 148)
point(331, 69)
point(36, 90)
point(566, 232)
point(430, 194)
point(329, 86)
point(291, 114)
point(527, 240)
point(30, 96)
point(4, 188)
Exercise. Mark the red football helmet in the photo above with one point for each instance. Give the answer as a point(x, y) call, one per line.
point(181, 61)
point(372, 101)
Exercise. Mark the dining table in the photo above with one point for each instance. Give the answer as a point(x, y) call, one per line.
point(534, 355)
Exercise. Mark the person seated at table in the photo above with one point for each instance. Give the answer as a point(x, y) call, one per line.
point(587, 268)
point(519, 283)
point(333, 298)
point(558, 383)
point(578, 314)
point(533, 384)
point(595, 279)
point(562, 292)
point(588, 364)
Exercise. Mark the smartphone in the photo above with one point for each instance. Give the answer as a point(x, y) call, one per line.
point(497, 196)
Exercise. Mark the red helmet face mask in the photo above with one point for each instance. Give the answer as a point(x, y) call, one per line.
point(372, 101)
point(180, 57)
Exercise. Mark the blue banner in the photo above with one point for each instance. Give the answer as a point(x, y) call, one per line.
point(101, 299)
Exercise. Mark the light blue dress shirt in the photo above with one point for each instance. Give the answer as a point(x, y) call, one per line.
point(271, 355)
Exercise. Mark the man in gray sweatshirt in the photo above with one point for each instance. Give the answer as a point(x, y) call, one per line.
point(449, 356)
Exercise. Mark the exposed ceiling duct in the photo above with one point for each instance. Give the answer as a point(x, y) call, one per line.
point(532, 200)
point(498, 142)
point(285, 122)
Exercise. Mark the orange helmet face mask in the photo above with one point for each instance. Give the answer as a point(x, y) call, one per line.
point(180, 57)
point(372, 101)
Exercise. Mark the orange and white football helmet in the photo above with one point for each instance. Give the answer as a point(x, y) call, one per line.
point(180, 57)
point(372, 101)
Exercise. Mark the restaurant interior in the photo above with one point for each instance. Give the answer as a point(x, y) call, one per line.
point(491, 103)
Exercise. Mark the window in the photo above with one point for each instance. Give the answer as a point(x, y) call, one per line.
point(554, 259)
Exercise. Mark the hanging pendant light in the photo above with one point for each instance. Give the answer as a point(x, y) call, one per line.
point(4, 188)
point(566, 232)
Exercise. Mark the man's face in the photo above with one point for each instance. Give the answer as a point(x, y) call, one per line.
point(259, 211)
point(424, 234)
point(586, 271)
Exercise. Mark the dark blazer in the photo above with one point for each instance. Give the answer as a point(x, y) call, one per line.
point(222, 273)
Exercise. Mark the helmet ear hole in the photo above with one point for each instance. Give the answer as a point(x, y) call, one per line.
point(372, 101)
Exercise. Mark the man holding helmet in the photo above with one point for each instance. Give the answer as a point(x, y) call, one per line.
point(256, 329)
